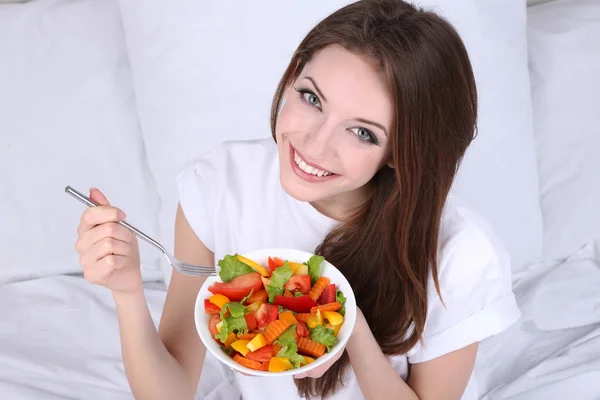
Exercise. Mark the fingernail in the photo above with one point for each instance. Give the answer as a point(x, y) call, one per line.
point(93, 188)
point(122, 215)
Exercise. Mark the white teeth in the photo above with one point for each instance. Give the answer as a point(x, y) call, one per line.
point(308, 169)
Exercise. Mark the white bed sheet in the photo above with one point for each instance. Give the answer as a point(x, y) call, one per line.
point(553, 352)
point(59, 339)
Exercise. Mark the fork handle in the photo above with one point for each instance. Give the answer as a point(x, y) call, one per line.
point(89, 202)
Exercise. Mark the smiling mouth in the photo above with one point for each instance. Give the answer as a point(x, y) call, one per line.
point(309, 169)
point(306, 171)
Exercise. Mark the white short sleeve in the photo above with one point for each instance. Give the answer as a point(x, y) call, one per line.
point(199, 185)
point(475, 283)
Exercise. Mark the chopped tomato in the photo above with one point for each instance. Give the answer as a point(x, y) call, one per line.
point(212, 324)
point(250, 321)
point(239, 287)
point(263, 354)
point(300, 283)
point(266, 314)
point(301, 329)
point(328, 295)
point(301, 304)
point(275, 263)
point(211, 308)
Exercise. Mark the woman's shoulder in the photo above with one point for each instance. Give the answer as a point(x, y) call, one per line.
point(469, 250)
point(240, 162)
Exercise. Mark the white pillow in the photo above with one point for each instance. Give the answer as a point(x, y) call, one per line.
point(205, 72)
point(68, 118)
point(564, 48)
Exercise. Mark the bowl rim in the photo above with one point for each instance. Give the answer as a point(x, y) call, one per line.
point(200, 315)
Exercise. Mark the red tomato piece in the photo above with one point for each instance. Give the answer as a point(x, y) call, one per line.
point(301, 329)
point(263, 354)
point(275, 263)
point(211, 308)
point(239, 287)
point(301, 304)
point(301, 283)
point(328, 295)
point(266, 314)
point(212, 324)
point(250, 321)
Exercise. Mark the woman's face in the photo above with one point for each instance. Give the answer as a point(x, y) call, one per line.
point(333, 128)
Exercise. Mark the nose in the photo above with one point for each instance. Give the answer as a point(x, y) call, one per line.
point(319, 143)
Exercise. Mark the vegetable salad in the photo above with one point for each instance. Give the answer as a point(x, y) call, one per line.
point(276, 317)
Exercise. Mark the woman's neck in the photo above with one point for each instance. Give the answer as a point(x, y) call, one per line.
point(341, 205)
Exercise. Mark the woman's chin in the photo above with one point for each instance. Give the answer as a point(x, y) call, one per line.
point(296, 190)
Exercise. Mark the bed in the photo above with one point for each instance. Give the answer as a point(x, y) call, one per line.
point(118, 94)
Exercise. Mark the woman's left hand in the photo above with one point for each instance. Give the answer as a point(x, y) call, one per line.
point(319, 371)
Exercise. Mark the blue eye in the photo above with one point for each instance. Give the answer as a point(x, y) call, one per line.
point(309, 97)
point(364, 135)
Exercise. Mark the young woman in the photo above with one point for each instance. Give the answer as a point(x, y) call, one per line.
point(370, 121)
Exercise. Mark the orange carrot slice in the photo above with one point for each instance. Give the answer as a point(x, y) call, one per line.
point(274, 329)
point(276, 349)
point(265, 366)
point(303, 317)
point(311, 348)
point(247, 363)
point(327, 307)
point(261, 295)
point(318, 288)
point(247, 336)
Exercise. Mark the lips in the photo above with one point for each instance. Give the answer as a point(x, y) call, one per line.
point(306, 171)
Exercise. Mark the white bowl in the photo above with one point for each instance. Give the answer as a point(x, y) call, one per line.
point(261, 257)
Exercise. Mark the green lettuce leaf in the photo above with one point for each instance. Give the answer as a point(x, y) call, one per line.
point(231, 267)
point(340, 298)
point(297, 360)
point(279, 278)
point(289, 348)
point(298, 294)
point(235, 322)
point(314, 267)
point(324, 336)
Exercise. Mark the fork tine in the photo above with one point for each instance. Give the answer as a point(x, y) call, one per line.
point(195, 271)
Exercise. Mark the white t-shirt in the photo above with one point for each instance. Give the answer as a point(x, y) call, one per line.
point(233, 200)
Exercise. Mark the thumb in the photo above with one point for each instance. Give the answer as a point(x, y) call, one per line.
point(97, 196)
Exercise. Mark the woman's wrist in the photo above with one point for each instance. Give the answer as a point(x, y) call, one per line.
point(129, 295)
point(360, 327)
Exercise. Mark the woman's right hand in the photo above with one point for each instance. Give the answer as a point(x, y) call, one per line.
point(108, 252)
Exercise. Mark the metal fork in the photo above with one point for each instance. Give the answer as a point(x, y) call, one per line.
point(184, 268)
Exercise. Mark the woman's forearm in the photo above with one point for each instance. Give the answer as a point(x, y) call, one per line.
point(153, 373)
point(375, 375)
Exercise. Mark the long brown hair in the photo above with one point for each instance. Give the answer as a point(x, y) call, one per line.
point(388, 248)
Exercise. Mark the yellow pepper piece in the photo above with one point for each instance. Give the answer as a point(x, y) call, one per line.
point(255, 266)
point(315, 319)
point(230, 339)
point(257, 343)
point(308, 359)
point(288, 316)
point(218, 300)
point(219, 326)
point(241, 346)
point(254, 306)
point(335, 329)
point(279, 364)
point(296, 267)
point(333, 317)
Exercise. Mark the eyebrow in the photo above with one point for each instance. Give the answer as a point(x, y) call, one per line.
point(316, 88)
point(366, 121)
point(363, 120)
